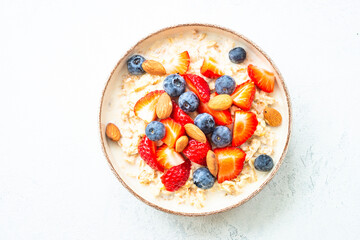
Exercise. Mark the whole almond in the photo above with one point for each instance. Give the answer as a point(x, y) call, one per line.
point(113, 132)
point(272, 117)
point(153, 67)
point(212, 163)
point(164, 106)
point(194, 132)
point(181, 143)
point(220, 102)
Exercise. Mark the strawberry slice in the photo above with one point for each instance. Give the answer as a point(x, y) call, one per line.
point(176, 177)
point(264, 79)
point(168, 157)
point(231, 162)
point(173, 130)
point(245, 124)
point(210, 69)
point(220, 117)
point(199, 86)
point(179, 115)
point(197, 151)
point(180, 64)
point(145, 106)
point(244, 95)
point(146, 149)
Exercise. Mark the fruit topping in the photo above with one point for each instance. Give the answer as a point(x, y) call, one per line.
point(264, 163)
point(220, 117)
point(188, 101)
point(210, 69)
point(205, 122)
point(176, 177)
point(179, 115)
point(199, 86)
point(146, 151)
point(168, 157)
point(197, 151)
point(243, 95)
point(180, 64)
point(173, 131)
point(134, 65)
point(225, 85)
point(155, 131)
point(237, 55)
point(264, 79)
point(245, 124)
point(203, 178)
point(145, 106)
point(221, 136)
point(174, 85)
point(231, 162)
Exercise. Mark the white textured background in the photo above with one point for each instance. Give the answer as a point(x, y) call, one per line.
point(55, 57)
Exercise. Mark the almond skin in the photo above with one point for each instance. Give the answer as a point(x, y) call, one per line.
point(194, 132)
point(113, 132)
point(181, 143)
point(153, 67)
point(164, 106)
point(272, 117)
point(212, 163)
point(220, 102)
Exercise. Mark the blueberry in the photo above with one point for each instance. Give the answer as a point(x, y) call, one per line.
point(225, 85)
point(188, 101)
point(203, 179)
point(264, 163)
point(221, 136)
point(134, 65)
point(205, 122)
point(155, 131)
point(174, 85)
point(237, 55)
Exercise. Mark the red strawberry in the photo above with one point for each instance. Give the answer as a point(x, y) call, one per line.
point(209, 68)
point(173, 130)
point(145, 106)
point(264, 79)
point(176, 177)
point(199, 86)
point(231, 162)
point(179, 115)
point(147, 150)
point(196, 151)
point(244, 95)
point(168, 158)
point(180, 64)
point(245, 124)
point(220, 117)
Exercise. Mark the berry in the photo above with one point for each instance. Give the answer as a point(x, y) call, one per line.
point(245, 124)
point(264, 79)
point(168, 158)
point(188, 101)
point(199, 86)
point(174, 85)
point(176, 177)
point(146, 151)
point(196, 151)
point(205, 122)
point(237, 55)
point(145, 106)
point(221, 136)
point(210, 69)
point(244, 95)
point(231, 162)
point(155, 131)
point(180, 64)
point(221, 117)
point(173, 131)
point(134, 65)
point(179, 115)
point(225, 85)
point(264, 163)
point(203, 178)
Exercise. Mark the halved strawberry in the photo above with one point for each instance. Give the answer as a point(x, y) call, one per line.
point(199, 86)
point(220, 117)
point(168, 157)
point(264, 79)
point(180, 64)
point(196, 151)
point(179, 115)
point(145, 106)
point(176, 177)
point(231, 162)
point(146, 149)
point(245, 124)
point(244, 95)
point(173, 130)
point(210, 69)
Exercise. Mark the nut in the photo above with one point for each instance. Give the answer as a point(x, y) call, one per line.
point(164, 106)
point(113, 132)
point(181, 143)
point(272, 117)
point(212, 163)
point(220, 102)
point(194, 132)
point(153, 67)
